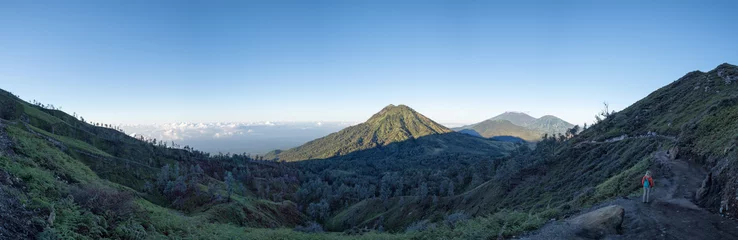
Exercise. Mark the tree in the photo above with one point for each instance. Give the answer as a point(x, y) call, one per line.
point(163, 177)
point(230, 183)
point(572, 131)
point(319, 211)
point(423, 190)
point(604, 113)
point(476, 179)
point(385, 193)
point(450, 189)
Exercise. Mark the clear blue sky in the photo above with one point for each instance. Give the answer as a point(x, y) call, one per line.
point(454, 61)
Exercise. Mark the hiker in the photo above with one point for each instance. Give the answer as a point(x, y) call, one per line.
point(647, 183)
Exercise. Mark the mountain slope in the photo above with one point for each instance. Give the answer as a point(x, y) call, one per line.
point(691, 119)
point(495, 128)
point(62, 178)
point(517, 124)
point(699, 110)
point(550, 124)
point(517, 118)
point(390, 125)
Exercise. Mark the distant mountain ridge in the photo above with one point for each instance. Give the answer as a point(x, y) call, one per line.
point(393, 124)
point(517, 124)
point(517, 118)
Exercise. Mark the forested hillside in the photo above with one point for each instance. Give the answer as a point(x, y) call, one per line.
point(63, 177)
point(689, 119)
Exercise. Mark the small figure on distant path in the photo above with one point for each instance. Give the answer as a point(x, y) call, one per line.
point(647, 183)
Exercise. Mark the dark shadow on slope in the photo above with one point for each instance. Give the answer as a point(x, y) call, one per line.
point(471, 132)
point(430, 146)
point(513, 139)
point(552, 178)
point(428, 154)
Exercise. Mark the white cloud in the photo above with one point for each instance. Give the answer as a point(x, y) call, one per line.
point(183, 130)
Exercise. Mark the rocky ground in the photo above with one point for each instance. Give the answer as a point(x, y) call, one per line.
point(671, 214)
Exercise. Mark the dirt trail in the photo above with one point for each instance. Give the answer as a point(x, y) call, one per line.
point(670, 214)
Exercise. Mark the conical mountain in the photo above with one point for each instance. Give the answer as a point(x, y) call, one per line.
point(393, 124)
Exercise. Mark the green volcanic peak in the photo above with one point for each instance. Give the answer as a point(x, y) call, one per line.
point(404, 121)
point(390, 125)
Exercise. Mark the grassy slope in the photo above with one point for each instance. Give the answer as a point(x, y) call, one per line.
point(700, 109)
point(46, 166)
point(392, 124)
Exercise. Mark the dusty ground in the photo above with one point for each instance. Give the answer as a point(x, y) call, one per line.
point(670, 214)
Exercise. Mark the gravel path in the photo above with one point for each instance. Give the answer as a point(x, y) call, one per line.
point(670, 214)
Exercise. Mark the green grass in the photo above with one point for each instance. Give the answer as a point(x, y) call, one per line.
point(42, 154)
point(72, 143)
point(173, 224)
point(718, 129)
point(36, 113)
point(624, 183)
point(504, 223)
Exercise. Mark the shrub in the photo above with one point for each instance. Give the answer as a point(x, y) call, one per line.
point(311, 227)
point(48, 234)
point(115, 206)
point(453, 219)
point(420, 226)
point(550, 213)
point(130, 231)
point(71, 222)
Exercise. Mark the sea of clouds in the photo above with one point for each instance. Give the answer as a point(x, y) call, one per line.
point(245, 137)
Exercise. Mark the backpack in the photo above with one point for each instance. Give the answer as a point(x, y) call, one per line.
point(647, 182)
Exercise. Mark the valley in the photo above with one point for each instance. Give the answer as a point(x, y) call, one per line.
point(399, 175)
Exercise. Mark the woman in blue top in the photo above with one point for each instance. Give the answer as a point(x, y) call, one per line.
point(647, 183)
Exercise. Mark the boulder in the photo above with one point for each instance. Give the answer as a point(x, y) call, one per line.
point(599, 223)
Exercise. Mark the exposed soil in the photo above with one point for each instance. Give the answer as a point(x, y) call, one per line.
point(671, 214)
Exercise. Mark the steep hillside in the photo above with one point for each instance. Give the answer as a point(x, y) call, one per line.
point(699, 110)
point(390, 125)
point(691, 119)
point(65, 178)
point(517, 124)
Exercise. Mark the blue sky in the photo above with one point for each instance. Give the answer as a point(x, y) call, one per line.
point(454, 61)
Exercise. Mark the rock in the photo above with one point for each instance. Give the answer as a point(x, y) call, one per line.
point(704, 190)
point(599, 223)
point(728, 75)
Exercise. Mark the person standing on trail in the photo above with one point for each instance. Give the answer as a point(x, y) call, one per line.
point(647, 183)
